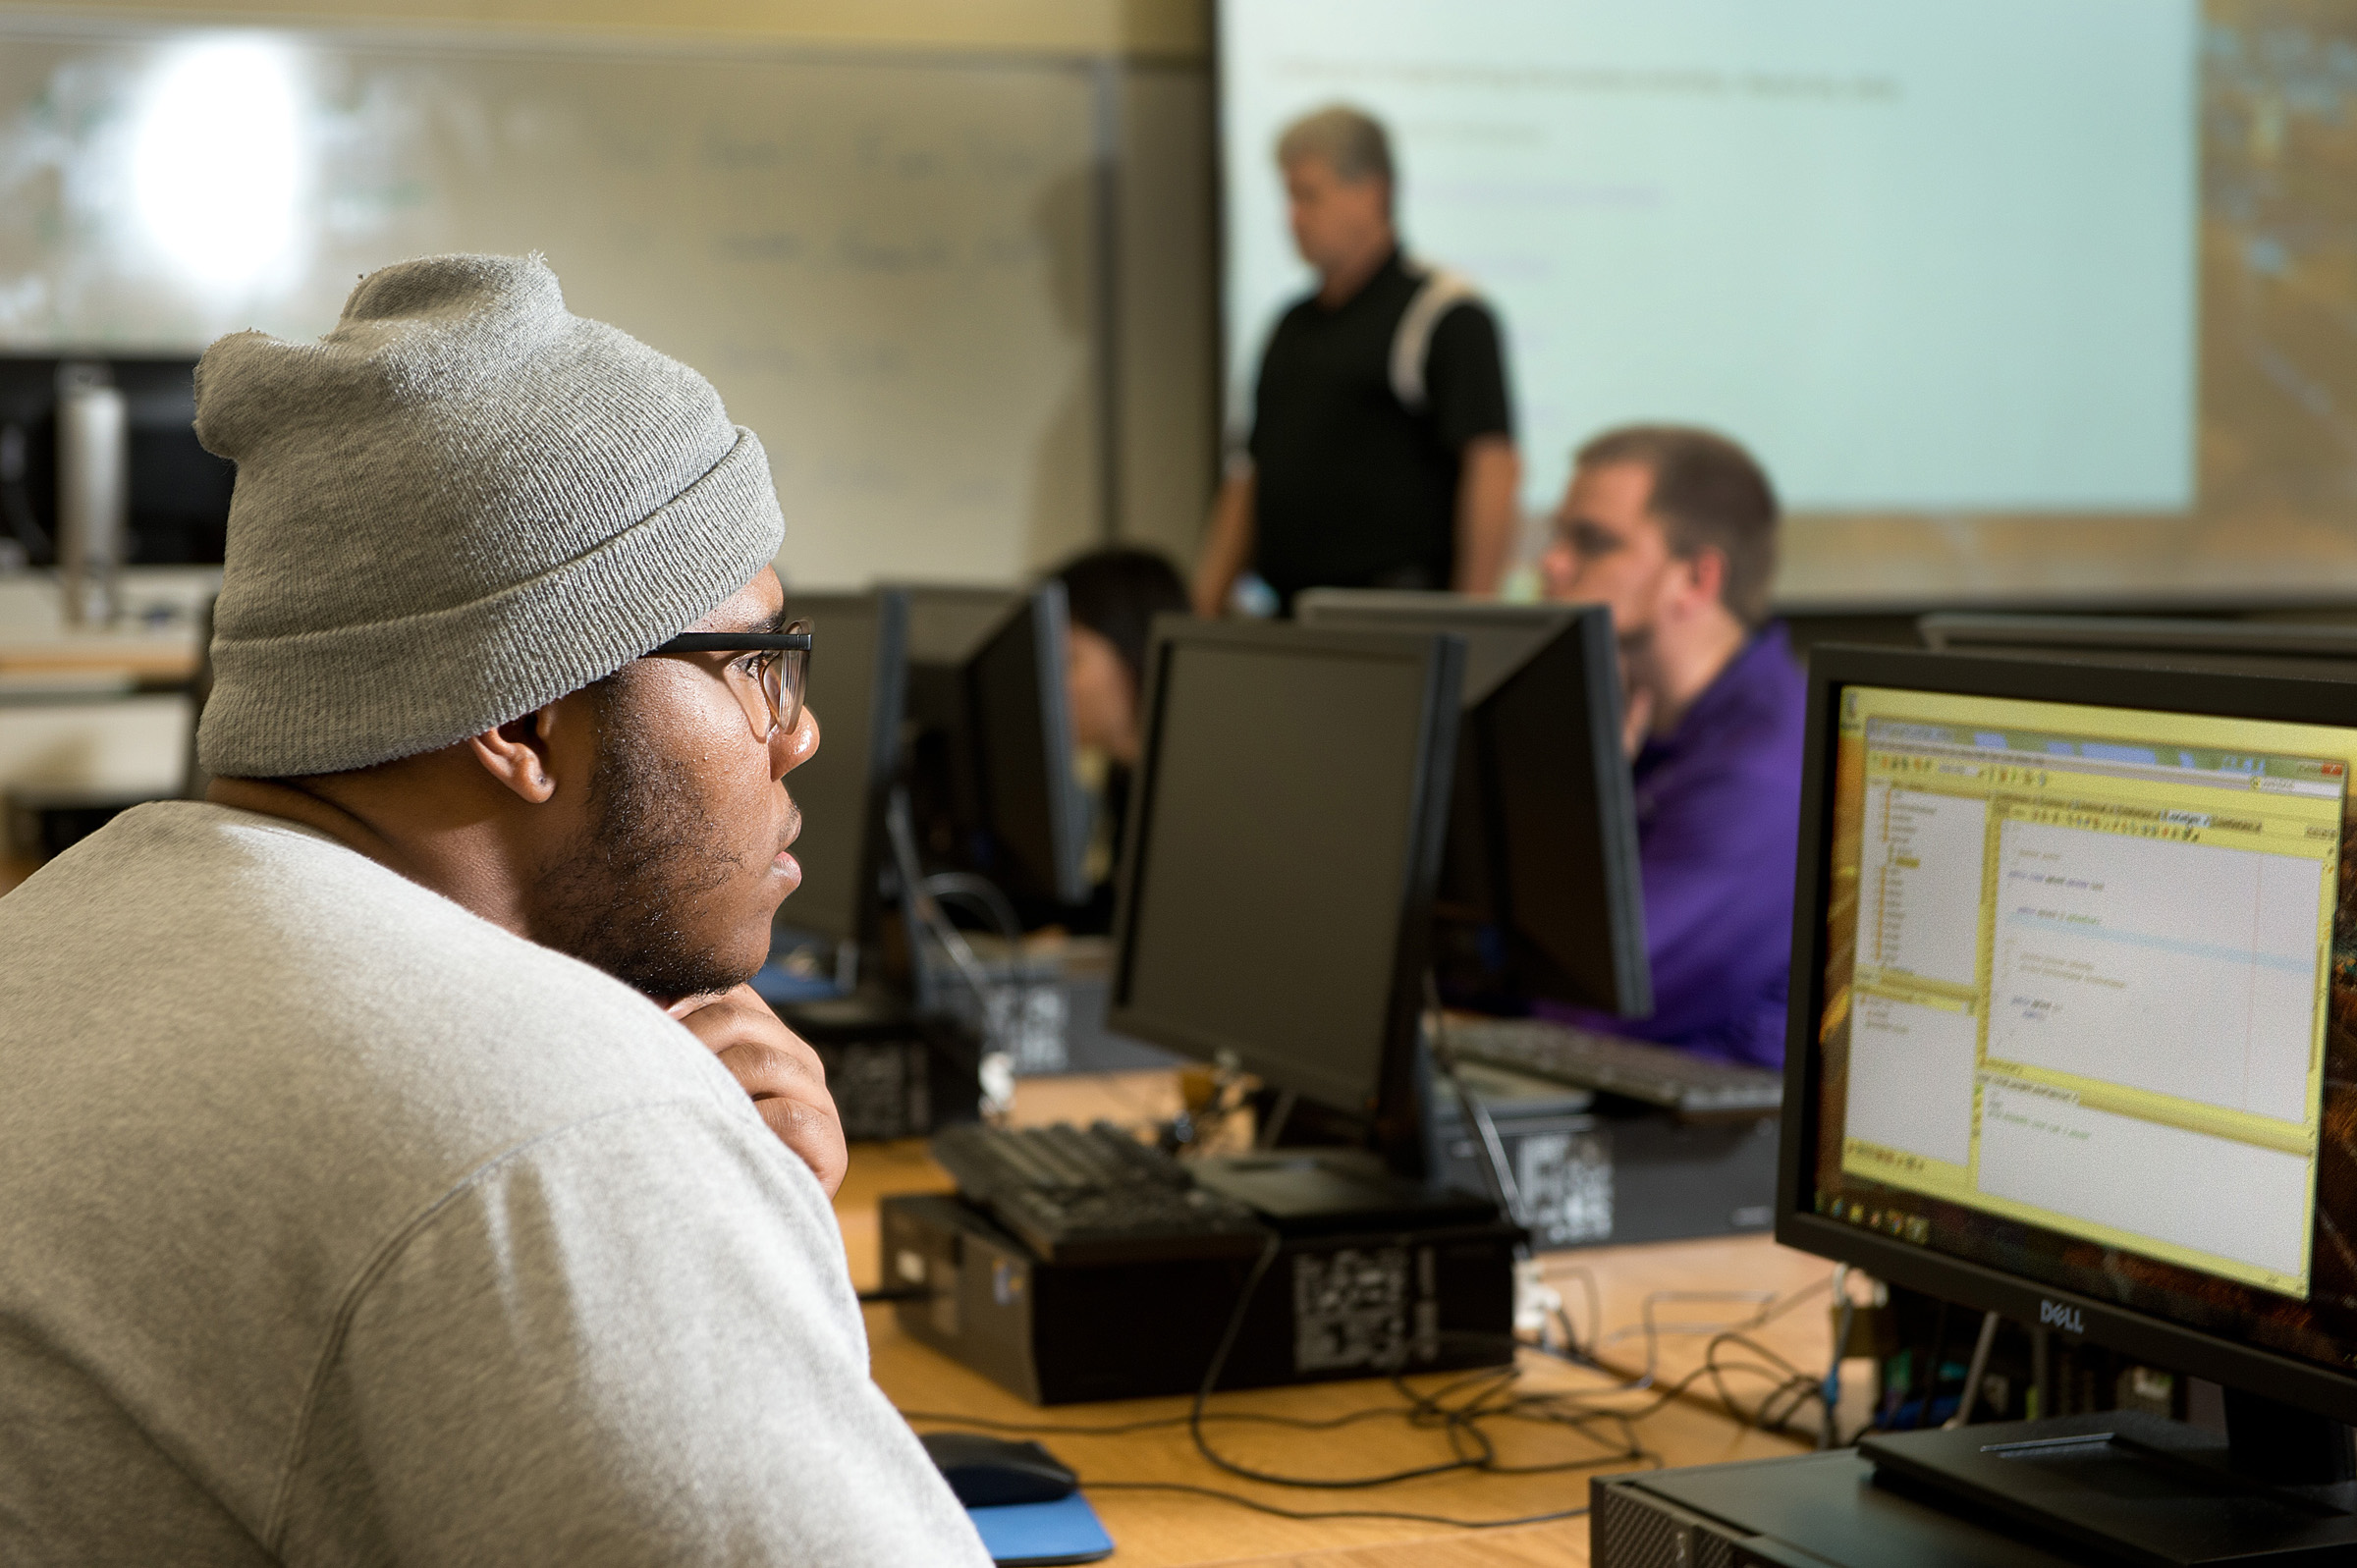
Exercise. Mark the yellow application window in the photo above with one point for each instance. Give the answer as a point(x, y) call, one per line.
point(2092, 944)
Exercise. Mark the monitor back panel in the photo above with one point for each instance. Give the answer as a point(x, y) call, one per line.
point(179, 500)
point(946, 625)
point(947, 621)
point(2318, 652)
point(1020, 740)
point(1542, 838)
point(1498, 637)
point(858, 674)
point(1564, 822)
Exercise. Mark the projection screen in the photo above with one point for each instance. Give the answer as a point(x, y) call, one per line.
point(2019, 300)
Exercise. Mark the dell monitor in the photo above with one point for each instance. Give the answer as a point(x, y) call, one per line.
point(1543, 829)
point(858, 683)
point(1275, 892)
point(2074, 1039)
point(992, 786)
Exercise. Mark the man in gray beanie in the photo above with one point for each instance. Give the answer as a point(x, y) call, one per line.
point(394, 1165)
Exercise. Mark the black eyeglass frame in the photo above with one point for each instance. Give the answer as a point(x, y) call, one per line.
point(735, 642)
point(751, 642)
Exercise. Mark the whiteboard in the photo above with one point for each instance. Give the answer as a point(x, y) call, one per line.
point(884, 263)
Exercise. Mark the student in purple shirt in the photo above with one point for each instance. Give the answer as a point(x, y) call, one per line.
point(1674, 528)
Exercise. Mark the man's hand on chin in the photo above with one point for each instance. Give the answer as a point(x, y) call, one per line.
point(778, 1069)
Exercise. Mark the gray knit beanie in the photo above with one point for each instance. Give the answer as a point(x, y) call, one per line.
point(462, 504)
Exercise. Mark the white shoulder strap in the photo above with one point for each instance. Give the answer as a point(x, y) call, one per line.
point(1412, 340)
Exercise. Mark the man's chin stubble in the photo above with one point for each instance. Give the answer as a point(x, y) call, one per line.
point(622, 899)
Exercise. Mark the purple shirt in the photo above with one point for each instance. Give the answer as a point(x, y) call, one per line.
point(1717, 834)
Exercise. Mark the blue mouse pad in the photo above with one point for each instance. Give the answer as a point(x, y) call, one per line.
point(1017, 1534)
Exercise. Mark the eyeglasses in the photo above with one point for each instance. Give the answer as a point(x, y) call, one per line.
point(769, 681)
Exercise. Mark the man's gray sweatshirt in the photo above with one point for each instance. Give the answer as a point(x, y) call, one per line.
point(337, 1225)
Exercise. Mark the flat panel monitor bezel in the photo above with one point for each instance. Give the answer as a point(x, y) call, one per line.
point(1391, 1102)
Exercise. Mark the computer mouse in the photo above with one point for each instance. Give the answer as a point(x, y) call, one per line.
point(986, 1471)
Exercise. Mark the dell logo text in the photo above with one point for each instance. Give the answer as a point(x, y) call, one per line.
point(2053, 1315)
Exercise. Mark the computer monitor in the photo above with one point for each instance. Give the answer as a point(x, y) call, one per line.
point(947, 620)
point(1278, 871)
point(2074, 1011)
point(1543, 826)
point(992, 783)
point(858, 685)
point(2254, 647)
point(178, 498)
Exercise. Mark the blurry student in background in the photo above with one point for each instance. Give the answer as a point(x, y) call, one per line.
point(1113, 595)
point(1675, 530)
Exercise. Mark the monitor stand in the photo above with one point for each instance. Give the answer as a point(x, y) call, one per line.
point(1324, 1191)
point(2140, 1489)
point(1376, 1180)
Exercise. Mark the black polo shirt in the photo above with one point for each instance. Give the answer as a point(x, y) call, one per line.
point(1353, 489)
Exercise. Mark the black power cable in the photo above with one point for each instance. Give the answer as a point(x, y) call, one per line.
point(1257, 1506)
point(1470, 1447)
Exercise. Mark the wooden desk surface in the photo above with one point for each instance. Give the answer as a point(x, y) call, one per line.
point(1689, 1283)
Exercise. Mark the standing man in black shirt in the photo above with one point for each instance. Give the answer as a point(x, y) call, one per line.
point(1381, 453)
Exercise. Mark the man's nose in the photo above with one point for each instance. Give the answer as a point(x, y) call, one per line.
point(790, 749)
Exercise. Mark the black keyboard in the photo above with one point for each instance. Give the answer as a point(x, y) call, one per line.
point(1093, 1195)
point(1694, 1088)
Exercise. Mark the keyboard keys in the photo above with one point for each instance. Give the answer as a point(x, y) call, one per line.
point(1093, 1195)
point(1657, 1076)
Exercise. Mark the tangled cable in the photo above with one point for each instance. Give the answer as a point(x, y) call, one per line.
point(1462, 1409)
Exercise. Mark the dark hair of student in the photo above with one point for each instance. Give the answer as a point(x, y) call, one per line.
point(1709, 494)
point(1117, 592)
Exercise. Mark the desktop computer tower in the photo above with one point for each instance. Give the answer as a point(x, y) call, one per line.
point(1046, 1008)
point(1825, 1510)
point(1596, 1170)
point(894, 1072)
point(1330, 1305)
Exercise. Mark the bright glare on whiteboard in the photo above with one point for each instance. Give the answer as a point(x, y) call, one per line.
point(217, 164)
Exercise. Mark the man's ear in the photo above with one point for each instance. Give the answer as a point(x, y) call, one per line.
point(1702, 580)
point(517, 755)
